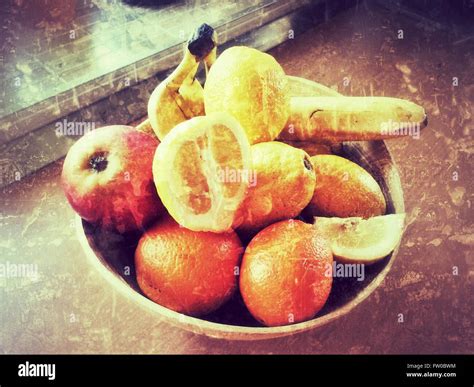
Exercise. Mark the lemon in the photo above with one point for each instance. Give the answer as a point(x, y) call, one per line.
point(311, 148)
point(253, 87)
point(200, 171)
point(358, 240)
point(282, 185)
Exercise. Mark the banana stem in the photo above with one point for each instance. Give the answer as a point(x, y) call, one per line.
point(210, 59)
point(184, 71)
point(202, 45)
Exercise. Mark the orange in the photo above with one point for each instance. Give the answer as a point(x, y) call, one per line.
point(187, 271)
point(282, 185)
point(344, 189)
point(285, 275)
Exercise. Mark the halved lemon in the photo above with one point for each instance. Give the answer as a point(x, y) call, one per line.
point(359, 240)
point(201, 171)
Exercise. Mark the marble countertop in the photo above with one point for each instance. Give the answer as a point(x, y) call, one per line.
point(55, 65)
point(70, 308)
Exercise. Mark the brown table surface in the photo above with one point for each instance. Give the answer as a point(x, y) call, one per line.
point(71, 309)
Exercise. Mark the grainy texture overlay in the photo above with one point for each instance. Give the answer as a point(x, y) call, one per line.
point(425, 305)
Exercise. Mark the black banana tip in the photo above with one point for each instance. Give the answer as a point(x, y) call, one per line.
point(202, 41)
point(425, 121)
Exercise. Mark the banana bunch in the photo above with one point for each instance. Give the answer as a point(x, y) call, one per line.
point(327, 117)
point(180, 96)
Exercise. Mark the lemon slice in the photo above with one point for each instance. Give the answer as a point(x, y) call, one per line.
point(201, 171)
point(359, 240)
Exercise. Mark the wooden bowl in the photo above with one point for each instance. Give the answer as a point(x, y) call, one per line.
point(112, 255)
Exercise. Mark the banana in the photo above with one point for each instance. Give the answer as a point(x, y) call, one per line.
point(180, 96)
point(145, 126)
point(323, 117)
point(352, 118)
point(302, 87)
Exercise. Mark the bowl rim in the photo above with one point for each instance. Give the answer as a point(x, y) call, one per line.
point(227, 331)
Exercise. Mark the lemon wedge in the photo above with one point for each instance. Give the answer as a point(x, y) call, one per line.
point(359, 240)
point(201, 171)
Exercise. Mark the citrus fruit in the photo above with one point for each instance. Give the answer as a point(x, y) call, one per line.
point(344, 189)
point(200, 171)
point(286, 274)
point(282, 185)
point(251, 86)
point(358, 240)
point(311, 148)
point(187, 271)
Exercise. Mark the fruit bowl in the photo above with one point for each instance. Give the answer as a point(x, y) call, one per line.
point(112, 254)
